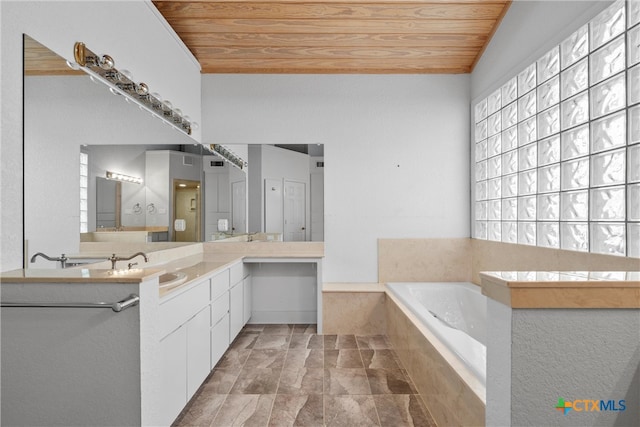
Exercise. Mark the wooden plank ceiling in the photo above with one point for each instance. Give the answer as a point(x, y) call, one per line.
point(40, 61)
point(335, 36)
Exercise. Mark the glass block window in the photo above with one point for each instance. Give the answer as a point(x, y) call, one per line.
point(557, 147)
point(84, 182)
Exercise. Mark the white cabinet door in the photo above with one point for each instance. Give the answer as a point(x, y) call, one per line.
point(198, 350)
point(246, 284)
point(173, 370)
point(219, 339)
point(236, 309)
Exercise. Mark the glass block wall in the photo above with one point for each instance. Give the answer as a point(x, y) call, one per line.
point(557, 147)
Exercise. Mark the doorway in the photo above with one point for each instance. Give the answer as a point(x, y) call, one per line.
point(295, 213)
point(186, 210)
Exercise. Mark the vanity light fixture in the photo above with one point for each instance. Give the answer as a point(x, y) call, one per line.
point(227, 155)
point(122, 177)
point(102, 68)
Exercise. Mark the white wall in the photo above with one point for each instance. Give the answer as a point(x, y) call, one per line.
point(138, 40)
point(396, 151)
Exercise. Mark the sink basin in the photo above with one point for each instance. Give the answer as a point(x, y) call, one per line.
point(172, 279)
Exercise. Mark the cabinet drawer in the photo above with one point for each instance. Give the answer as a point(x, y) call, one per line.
point(219, 340)
point(237, 272)
point(220, 308)
point(183, 307)
point(219, 284)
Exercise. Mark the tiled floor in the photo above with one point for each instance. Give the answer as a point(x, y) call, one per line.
point(287, 375)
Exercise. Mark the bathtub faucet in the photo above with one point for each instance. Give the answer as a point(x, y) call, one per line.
point(62, 259)
point(115, 258)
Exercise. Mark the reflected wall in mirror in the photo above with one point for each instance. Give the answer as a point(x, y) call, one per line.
point(64, 111)
point(108, 203)
point(230, 202)
point(66, 114)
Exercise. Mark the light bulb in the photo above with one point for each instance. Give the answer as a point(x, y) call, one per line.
point(106, 62)
point(142, 89)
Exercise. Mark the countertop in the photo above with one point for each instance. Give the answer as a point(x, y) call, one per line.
point(191, 260)
point(563, 289)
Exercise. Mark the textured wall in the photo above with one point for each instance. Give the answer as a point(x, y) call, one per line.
point(574, 354)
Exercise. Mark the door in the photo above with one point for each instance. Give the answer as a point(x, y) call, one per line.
point(239, 207)
point(295, 213)
point(186, 206)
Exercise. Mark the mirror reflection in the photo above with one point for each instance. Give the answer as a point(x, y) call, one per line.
point(189, 193)
point(76, 131)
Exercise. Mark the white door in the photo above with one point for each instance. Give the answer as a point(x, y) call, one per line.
point(294, 211)
point(239, 207)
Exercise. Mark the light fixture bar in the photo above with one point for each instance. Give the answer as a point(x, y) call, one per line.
point(122, 177)
point(121, 82)
point(227, 155)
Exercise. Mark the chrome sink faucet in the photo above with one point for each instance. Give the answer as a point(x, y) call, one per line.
point(115, 258)
point(62, 259)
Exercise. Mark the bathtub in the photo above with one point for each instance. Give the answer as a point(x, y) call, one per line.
point(440, 332)
point(456, 313)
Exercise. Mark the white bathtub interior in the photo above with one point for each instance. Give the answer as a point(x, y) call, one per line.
point(456, 313)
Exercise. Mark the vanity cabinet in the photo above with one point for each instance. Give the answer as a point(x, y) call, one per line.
point(173, 384)
point(197, 324)
point(198, 350)
point(236, 310)
point(246, 294)
point(239, 299)
point(219, 316)
point(185, 346)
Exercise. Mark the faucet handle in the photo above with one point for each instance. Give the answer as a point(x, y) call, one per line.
point(131, 264)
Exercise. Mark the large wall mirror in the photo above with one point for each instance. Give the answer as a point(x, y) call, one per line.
point(76, 130)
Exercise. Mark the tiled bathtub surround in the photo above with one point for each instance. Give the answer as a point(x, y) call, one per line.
point(424, 260)
point(449, 399)
point(285, 375)
point(353, 309)
point(450, 260)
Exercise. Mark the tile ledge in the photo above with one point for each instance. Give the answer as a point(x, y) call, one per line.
point(353, 287)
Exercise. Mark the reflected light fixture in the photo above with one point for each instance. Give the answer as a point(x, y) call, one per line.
point(227, 155)
point(120, 82)
point(122, 177)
